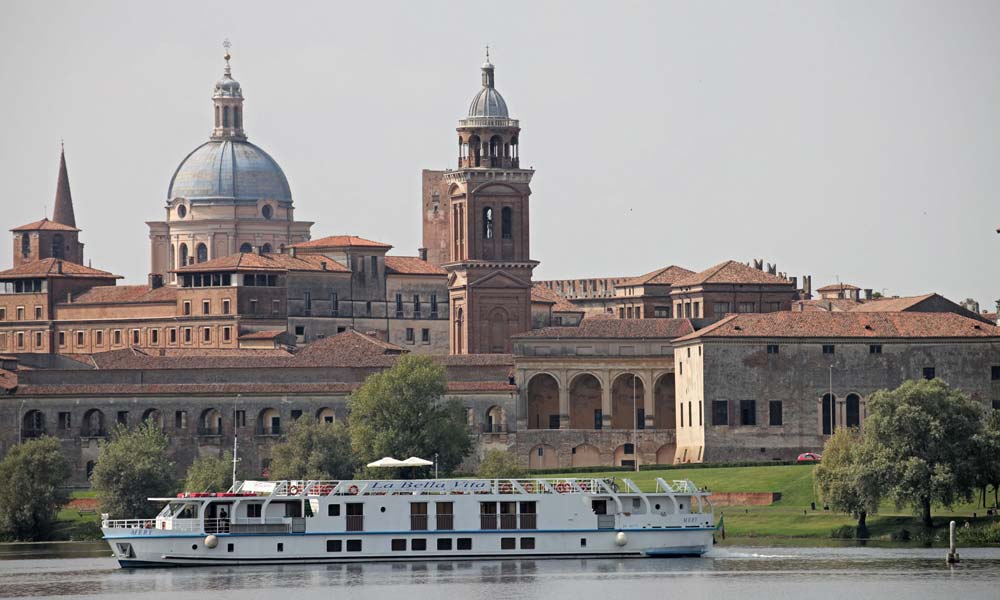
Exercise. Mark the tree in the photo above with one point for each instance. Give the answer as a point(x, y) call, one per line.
point(851, 475)
point(33, 474)
point(400, 412)
point(211, 474)
point(313, 450)
point(987, 465)
point(132, 467)
point(928, 431)
point(500, 464)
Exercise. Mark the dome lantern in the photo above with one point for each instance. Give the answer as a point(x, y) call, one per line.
point(228, 104)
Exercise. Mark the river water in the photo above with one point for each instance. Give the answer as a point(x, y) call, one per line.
point(727, 572)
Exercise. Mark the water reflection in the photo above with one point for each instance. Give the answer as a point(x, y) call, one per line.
point(749, 572)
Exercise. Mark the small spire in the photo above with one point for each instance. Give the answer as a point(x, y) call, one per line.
point(63, 211)
point(227, 45)
point(487, 53)
point(487, 70)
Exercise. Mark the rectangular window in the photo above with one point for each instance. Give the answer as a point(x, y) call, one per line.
point(434, 306)
point(697, 310)
point(464, 544)
point(62, 339)
point(774, 412)
point(720, 308)
point(173, 335)
point(747, 307)
point(508, 543)
point(354, 545)
point(875, 349)
point(416, 306)
point(20, 339)
point(640, 418)
point(253, 306)
point(3, 313)
point(253, 510)
point(682, 415)
point(444, 544)
point(122, 417)
point(628, 312)
point(995, 373)
point(772, 348)
point(65, 420)
point(621, 312)
point(444, 517)
point(135, 337)
point(399, 306)
point(38, 313)
point(276, 307)
point(281, 547)
point(225, 306)
point(98, 338)
point(425, 336)
point(528, 543)
point(20, 313)
point(187, 307)
point(661, 312)
point(333, 510)
point(334, 545)
point(241, 418)
point(700, 414)
point(720, 412)
point(79, 338)
point(307, 302)
point(828, 349)
point(181, 419)
point(398, 545)
point(334, 304)
point(206, 307)
point(929, 373)
point(368, 309)
point(227, 334)
point(187, 335)
point(690, 420)
point(409, 335)
point(154, 336)
point(374, 265)
point(206, 334)
point(418, 544)
point(748, 412)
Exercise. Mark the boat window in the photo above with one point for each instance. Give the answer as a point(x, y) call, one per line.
point(464, 544)
point(253, 510)
point(583, 542)
point(333, 510)
point(354, 545)
point(636, 503)
point(281, 547)
point(398, 545)
point(418, 544)
point(188, 511)
point(528, 543)
point(444, 543)
point(600, 507)
point(230, 547)
point(334, 545)
point(293, 509)
point(507, 544)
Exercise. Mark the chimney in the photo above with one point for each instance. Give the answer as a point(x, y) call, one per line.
point(422, 253)
point(795, 282)
point(758, 264)
point(256, 250)
point(155, 281)
point(291, 251)
point(59, 267)
point(868, 294)
point(323, 264)
point(69, 297)
point(807, 286)
point(772, 269)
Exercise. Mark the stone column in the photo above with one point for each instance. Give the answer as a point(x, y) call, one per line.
point(606, 401)
point(563, 402)
point(649, 402)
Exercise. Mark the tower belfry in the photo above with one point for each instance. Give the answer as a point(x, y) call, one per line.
point(486, 226)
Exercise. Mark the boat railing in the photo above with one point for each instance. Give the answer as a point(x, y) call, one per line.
point(508, 521)
point(418, 522)
point(355, 522)
point(444, 522)
point(129, 523)
point(529, 521)
point(488, 521)
point(273, 525)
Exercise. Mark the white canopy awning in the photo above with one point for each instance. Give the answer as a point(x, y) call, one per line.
point(414, 461)
point(388, 461)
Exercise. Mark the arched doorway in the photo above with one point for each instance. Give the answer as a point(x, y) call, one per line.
point(626, 388)
point(853, 408)
point(326, 415)
point(827, 414)
point(543, 457)
point(665, 402)
point(666, 454)
point(210, 422)
point(586, 455)
point(496, 420)
point(498, 330)
point(543, 402)
point(585, 402)
point(33, 424)
point(269, 422)
point(625, 456)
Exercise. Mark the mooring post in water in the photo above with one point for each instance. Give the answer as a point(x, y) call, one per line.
point(952, 551)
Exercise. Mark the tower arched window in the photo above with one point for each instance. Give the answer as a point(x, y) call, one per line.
point(184, 254)
point(506, 223)
point(237, 117)
point(217, 115)
point(266, 249)
point(202, 252)
point(488, 223)
point(225, 116)
point(58, 246)
point(25, 245)
point(246, 248)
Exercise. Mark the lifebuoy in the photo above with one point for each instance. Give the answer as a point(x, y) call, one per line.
point(353, 490)
point(505, 488)
point(293, 490)
point(529, 487)
point(584, 486)
point(562, 487)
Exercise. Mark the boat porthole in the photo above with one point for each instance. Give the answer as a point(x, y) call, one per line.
point(382, 509)
point(657, 507)
point(194, 546)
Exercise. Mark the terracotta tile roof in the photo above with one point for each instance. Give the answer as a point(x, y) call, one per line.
point(831, 305)
point(615, 329)
point(891, 304)
point(663, 276)
point(126, 294)
point(250, 261)
point(8, 380)
point(341, 241)
point(543, 295)
point(846, 325)
point(836, 287)
point(343, 348)
point(45, 225)
point(263, 335)
point(234, 388)
point(412, 265)
point(992, 316)
point(732, 272)
point(49, 267)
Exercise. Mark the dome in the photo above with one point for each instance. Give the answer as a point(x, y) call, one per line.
point(228, 170)
point(488, 103)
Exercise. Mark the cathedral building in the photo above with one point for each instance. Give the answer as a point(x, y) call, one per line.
point(227, 196)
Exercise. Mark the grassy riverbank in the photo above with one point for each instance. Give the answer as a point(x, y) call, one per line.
point(791, 520)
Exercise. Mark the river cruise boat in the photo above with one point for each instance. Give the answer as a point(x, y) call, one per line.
point(277, 522)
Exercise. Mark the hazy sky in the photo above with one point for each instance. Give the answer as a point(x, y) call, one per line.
point(850, 139)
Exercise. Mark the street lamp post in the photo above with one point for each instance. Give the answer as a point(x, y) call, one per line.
point(635, 428)
point(833, 405)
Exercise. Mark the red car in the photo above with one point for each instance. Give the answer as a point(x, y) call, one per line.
point(809, 457)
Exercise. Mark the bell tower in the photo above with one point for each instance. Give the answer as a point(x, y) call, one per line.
point(488, 258)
